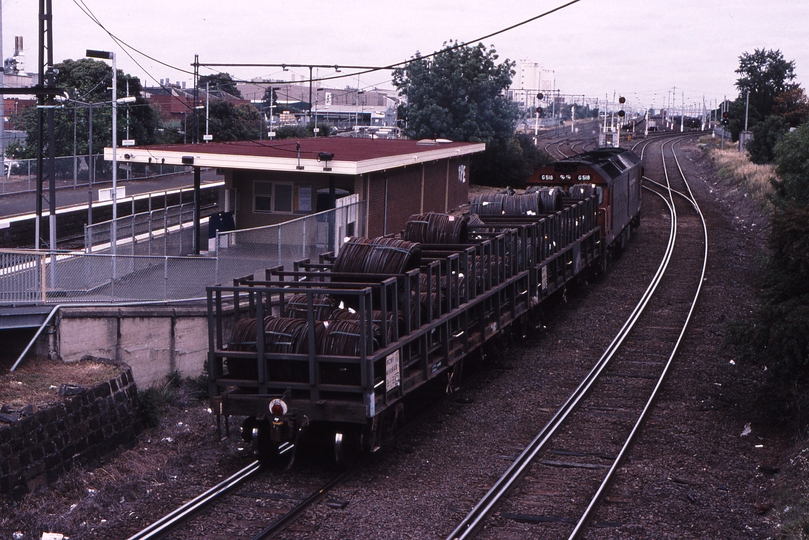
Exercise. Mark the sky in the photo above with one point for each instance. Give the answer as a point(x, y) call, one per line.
point(654, 53)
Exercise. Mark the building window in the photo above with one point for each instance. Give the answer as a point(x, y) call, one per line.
point(283, 198)
point(262, 201)
point(269, 197)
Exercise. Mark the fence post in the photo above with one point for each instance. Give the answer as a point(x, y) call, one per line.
point(165, 278)
point(216, 264)
point(43, 277)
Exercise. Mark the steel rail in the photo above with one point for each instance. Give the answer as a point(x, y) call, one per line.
point(161, 527)
point(474, 520)
point(285, 520)
point(588, 513)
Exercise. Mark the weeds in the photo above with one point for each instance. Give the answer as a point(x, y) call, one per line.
point(155, 399)
point(754, 179)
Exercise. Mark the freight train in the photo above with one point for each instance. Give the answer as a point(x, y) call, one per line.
point(342, 344)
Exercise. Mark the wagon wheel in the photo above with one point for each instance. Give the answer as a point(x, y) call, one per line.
point(265, 450)
point(347, 445)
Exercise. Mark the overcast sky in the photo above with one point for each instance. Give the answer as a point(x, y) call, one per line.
point(642, 49)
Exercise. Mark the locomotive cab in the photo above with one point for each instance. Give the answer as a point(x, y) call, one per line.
point(614, 174)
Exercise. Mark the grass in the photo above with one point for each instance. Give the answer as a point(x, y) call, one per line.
point(737, 169)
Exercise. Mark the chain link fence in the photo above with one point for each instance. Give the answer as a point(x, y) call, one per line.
point(20, 175)
point(28, 276)
point(161, 232)
point(63, 277)
point(251, 251)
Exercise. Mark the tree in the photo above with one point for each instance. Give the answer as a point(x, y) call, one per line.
point(793, 106)
point(229, 122)
point(86, 82)
point(221, 82)
point(458, 94)
point(766, 135)
point(512, 161)
point(765, 74)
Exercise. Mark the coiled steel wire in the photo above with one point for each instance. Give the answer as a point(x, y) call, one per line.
point(323, 305)
point(534, 201)
point(381, 255)
point(282, 335)
point(435, 228)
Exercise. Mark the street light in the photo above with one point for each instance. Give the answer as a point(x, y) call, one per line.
point(113, 230)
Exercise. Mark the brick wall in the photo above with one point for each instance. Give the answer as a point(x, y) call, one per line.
point(431, 187)
point(81, 429)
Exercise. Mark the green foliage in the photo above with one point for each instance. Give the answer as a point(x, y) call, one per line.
point(457, 95)
point(765, 74)
point(292, 132)
point(221, 82)
point(778, 335)
point(154, 400)
point(229, 122)
point(792, 167)
point(508, 163)
point(86, 81)
point(765, 136)
point(769, 79)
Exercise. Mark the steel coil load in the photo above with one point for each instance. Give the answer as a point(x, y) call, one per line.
point(534, 202)
point(323, 305)
point(435, 228)
point(377, 318)
point(341, 338)
point(282, 335)
point(380, 255)
point(550, 198)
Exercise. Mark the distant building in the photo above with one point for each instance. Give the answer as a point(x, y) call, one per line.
point(175, 102)
point(15, 76)
point(531, 79)
point(344, 108)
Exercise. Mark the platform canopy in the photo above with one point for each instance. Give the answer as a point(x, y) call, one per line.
point(328, 155)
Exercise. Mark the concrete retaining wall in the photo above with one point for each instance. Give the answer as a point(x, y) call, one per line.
point(36, 449)
point(153, 341)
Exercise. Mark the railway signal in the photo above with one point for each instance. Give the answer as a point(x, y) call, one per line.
point(725, 118)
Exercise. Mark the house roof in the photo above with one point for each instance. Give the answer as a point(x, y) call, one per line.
point(351, 156)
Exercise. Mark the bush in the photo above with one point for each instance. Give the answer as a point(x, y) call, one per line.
point(766, 135)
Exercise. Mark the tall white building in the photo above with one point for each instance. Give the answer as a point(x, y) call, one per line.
point(531, 79)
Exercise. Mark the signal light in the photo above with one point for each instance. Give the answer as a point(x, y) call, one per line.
point(539, 110)
point(725, 118)
point(540, 96)
point(622, 99)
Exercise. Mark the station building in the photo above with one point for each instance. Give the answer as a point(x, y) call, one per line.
point(272, 181)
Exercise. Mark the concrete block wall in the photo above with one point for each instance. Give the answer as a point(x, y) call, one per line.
point(81, 429)
point(154, 341)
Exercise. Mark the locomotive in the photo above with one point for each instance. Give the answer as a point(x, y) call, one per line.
point(339, 345)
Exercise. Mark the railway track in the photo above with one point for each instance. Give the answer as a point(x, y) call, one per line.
point(553, 489)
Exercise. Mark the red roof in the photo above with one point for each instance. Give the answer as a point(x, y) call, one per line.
point(343, 148)
point(350, 156)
